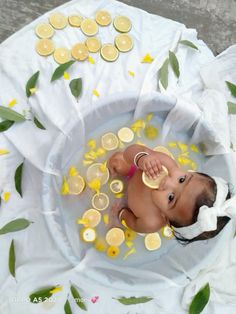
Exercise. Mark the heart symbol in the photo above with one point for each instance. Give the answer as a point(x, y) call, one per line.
point(94, 299)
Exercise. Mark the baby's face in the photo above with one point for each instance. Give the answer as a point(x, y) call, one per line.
point(177, 194)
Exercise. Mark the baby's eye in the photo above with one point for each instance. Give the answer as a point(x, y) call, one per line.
point(171, 197)
point(182, 179)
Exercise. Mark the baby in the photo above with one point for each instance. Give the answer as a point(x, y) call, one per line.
point(177, 200)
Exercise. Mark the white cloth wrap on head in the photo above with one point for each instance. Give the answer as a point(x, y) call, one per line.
point(207, 216)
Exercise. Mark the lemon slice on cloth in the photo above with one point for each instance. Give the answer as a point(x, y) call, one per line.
point(124, 42)
point(93, 44)
point(97, 171)
point(100, 201)
point(152, 241)
point(80, 52)
point(88, 234)
point(122, 24)
point(93, 216)
point(76, 184)
point(167, 232)
point(150, 132)
point(89, 27)
point(62, 55)
point(45, 47)
point(154, 183)
point(58, 20)
point(109, 52)
point(44, 30)
point(115, 236)
point(116, 186)
point(75, 20)
point(103, 18)
point(109, 141)
point(126, 135)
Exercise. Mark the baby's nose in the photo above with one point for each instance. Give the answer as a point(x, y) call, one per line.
point(166, 183)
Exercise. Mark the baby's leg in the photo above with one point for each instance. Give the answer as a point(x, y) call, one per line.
point(117, 164)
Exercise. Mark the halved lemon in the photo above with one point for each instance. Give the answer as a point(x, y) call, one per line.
point(103, 18)
point(44, 30)
point(154, 183)
point(100, 201)
point(58, 20)
point(80, 52)
point(167, 232)
point(152, 241)
point(76, 184)
point(122, 24)
point(124, 42)
point(88, 234)
point(62, 55)
point(93, 216)
point(75, 20)
point(109, 141)
point(89, 27)
point(116, 186)
point(109, 52)
point(115, 236)
point(96, 171)
point(93, 44)
point(164, 150)
point(45, 47)
point(126, 135)
point(151, 132)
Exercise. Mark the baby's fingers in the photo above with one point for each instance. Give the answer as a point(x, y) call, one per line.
point(148, 169)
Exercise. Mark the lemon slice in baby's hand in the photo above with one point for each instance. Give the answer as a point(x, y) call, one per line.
point(93, 217)
point(126, 135)
point(98, 171)
point(116, 186)
point(109, 141)
point(152, 241)
point(76, 184)
point(88, 234)
point(100, 201)
point(154, 183)
point(115, 236)
point(167, 232)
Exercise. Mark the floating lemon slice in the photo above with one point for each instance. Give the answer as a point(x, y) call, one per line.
point(89, 27)
point(164, 150)
point(100, 201)
point(152, 241)
point(122, 24)
point(96, 171)
point(44, 30)
point(80, 52)
point(45, 47)
point(126, 135)
point(93, 216)
point(109, 52)
point(58, 20)
point(154, 183)
point(113, 251)
point(109, 141)
point(103, 18)
point(62, 55)
point(75, 20)
point(88, 234)
point(115, 237)
point(76, 184)
point(150, 132)
point(167, 232)
point(93, 44)
point(123, 42)
point(116, 186)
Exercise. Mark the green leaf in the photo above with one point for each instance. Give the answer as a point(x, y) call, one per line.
point(133, 300)
point(200, 300)
point(15, 225)
point(231, 107)
point(41, 295)
point(174, 63)
point(163, 73)
point(38, 124)
point(12, 259)
point(31, 83)
point(77, 298)
point(61, 69)
point(67, 308)
point(9, 114)
point(18, 178)
point(188, 43)
point(5, 125)
point(232, 88)
point(76, 87)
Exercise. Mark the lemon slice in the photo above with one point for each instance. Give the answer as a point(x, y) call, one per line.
point(115, 236)
point(100, 201)
point(164, 150)
point(167, 232)
point(93, 44)
point(62, 55)
point(93, 216)
point(96, 171)
point(58, 20)
point(75, 20)
point(124, 42)
point(152, 241)
point(109, 141)
point(76, 184)
point(80, 52)
point(103, 18)
point(44, 47)
point(154, 183)
point(126, 135)
point(89, 27)
point(150, 132)
point(116, 186)
point(88, 234)
point(109, 52)
point(122, 24)
point(44, 30)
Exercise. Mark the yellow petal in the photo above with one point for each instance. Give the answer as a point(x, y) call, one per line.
point(124, 223)
point(91, 60)
point(103, 167)
point(129, 243)
point(96, 93)
point(106, 219)
point(184, 161)
point(83, 221)
point(95, 185)
point(119, 195)
point(194, 148)
point(90, 156)
point(91, 144)
point(12, 103)
point(4, 151)
point(72, 171)
point(66, 75)
point(131, 73)
point(147, 59)
point(172, 144)
point(100, 152)
point(131, 251)
point(149, 117)
point(87, 162)
point(55, 290)
point(6, 196)
point(65, 187)
point(33, 90)
point(183, 147)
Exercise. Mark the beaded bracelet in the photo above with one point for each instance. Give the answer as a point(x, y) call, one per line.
point(138, 156)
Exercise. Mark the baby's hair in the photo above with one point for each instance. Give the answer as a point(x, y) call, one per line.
point(207, 197)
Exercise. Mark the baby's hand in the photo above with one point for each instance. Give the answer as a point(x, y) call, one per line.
point(151, 165)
